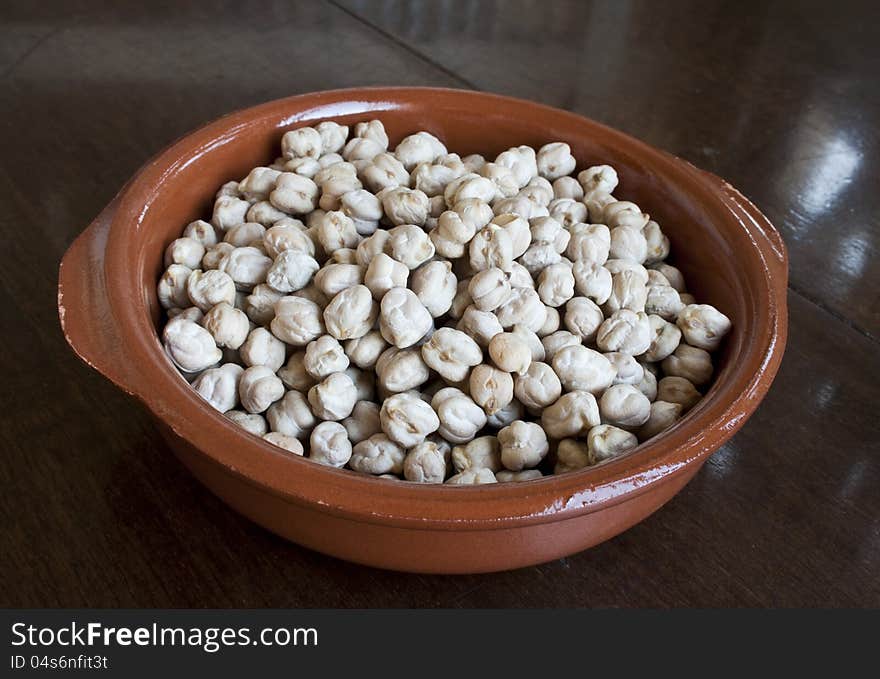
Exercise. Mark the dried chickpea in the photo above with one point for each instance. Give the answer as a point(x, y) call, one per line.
point(425, 463)
point(481, 453)
point(329, 444)
point(407, 419)
point(582, 369)
point(472, 477)
point(258, 388)
point(363, 421)
point(606, 441)
point(435, 285)
point(572, 455)
point(451, 353)
point(703, 326)
point(334, 397)
point(377, 455)
point(523, 445)
point(291, 416)
point(691, 363)
point(572, 414)
point(460, 417)
point(297, 321)
point(663, 415)
point(403, 319)
point(252, 423)
point(400, 370)
point(491, 388)
point(678, 390)
point(482, 326)
point(189, 345)
point(294, 374)
point(288, 443)
point(219, 386)
point(510, 353)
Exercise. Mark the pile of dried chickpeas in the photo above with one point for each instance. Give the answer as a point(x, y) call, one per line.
point(413, 314)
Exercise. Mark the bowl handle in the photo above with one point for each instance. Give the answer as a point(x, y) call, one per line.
point(746, 210)
point(83, 306)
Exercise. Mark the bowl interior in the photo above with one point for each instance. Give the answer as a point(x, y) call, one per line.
point(720, 263)
point(708, 256)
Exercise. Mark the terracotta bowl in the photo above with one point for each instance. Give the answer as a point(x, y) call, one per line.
point(730, 254)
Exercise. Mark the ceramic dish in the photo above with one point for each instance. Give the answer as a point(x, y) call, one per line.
point(730, 254)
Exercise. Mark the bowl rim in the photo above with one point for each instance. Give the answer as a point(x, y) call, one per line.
point(345, 493)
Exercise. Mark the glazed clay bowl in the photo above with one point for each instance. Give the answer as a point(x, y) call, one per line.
point(730, 254)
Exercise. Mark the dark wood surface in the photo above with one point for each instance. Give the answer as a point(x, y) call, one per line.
point(779, 98)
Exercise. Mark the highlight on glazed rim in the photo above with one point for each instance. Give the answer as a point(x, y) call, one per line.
point(412, 314)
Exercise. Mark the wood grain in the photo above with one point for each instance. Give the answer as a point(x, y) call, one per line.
point(97, 512)
point(778, 98)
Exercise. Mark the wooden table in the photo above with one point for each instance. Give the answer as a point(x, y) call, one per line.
point(782, 100)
